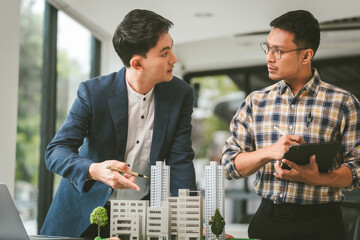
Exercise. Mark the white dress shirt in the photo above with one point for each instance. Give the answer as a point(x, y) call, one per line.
point(140, 125)
point(139, 136)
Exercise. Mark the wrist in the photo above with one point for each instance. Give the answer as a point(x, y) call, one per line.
point(91, 172)
point(266, 155)
point(320, 179)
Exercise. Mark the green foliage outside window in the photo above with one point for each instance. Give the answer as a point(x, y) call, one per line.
point(29, 99)
point(211, 89)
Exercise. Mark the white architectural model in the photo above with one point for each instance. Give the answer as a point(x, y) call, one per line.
point(177, 218)
point(189, 215)
point(128, 218)
point(160, 184)
point(158, 222)
point(169, 217)
point(214, 195)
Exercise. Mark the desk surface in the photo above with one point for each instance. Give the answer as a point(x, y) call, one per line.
point(42, 237)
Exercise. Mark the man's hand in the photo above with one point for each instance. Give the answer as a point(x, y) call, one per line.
point(307, 173)
point(247, 163)
point(278, 149)
point(114, 179)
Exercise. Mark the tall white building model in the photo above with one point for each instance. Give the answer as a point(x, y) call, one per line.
point(160, 184)
point(214, 195)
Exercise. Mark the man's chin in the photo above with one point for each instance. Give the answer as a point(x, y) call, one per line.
point(167, 79)
point(170, 77)
point(274, 77)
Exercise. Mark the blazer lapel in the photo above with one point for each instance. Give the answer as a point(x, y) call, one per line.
point(163, 104)
point(118, 105)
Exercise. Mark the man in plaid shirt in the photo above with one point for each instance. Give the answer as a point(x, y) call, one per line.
point(300, 203)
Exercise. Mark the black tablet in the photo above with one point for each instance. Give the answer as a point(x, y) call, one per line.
point(325, 154)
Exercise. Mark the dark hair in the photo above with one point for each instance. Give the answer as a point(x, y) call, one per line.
point(138, 33)
point(304, 26)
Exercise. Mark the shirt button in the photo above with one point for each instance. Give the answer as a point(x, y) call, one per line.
point(137, 142)
point(110, 190)
point(142, 117)
point(281, 195)
point(290, 127)
point(292, 106)
point(144, 98)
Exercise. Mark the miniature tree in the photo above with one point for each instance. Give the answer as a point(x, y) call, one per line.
point(217, 223)
point(99, 217)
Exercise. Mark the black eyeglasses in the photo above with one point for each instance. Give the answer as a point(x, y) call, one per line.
point(276, 52)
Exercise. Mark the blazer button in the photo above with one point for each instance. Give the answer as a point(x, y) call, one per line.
point(73, 182)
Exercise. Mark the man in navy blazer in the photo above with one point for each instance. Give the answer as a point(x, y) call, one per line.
point(97, 129)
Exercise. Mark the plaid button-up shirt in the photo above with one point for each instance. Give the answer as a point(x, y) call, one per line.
point(319, 112)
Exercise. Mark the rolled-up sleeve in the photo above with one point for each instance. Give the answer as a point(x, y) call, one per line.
point(240, 140)
point(351, 139)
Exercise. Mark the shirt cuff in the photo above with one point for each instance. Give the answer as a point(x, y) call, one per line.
point(355, 169)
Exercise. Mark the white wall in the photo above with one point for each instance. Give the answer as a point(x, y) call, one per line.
point(9, 69)
point(110, 61)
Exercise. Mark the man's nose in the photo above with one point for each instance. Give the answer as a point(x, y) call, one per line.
point(174, 59)
point(270, 56)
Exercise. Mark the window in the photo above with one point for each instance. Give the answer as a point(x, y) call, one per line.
point(73, 66)
point(29, 112)
point(74, 46)
point(214, 106)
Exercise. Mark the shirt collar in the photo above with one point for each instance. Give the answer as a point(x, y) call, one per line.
point(311, 86)
point(138, 96)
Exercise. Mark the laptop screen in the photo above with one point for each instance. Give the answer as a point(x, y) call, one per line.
point(11, 226)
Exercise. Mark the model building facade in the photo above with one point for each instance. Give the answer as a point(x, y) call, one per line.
point(166, 218)
point(128, 218)
point(189, 215)
point(159, 184)
point(159, 222)
point(214, 195)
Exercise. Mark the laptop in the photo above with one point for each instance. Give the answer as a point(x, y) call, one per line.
point(11, 226)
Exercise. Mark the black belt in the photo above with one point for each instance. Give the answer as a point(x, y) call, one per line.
point(293, 207)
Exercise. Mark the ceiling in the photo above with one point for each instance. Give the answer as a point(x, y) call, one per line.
point(205, 19)
point(213, 34)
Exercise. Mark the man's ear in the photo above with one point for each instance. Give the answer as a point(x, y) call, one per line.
point(135, 62)
point(308, 56)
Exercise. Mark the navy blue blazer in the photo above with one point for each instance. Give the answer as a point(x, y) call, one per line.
point(96, 130)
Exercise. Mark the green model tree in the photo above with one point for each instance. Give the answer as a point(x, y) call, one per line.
point(100, 218)
point(217, 223)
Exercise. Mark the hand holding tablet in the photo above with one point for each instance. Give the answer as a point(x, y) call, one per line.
point(325, 153)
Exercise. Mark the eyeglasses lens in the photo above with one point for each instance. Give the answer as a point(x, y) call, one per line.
point(274, 50)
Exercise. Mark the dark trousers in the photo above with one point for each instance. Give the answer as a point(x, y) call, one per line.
point(294, 221)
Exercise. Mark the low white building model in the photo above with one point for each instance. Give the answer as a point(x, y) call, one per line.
point(128, 218)
point(168, 217)
point(158, 222)
point(189, 214)
point(214, 195)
